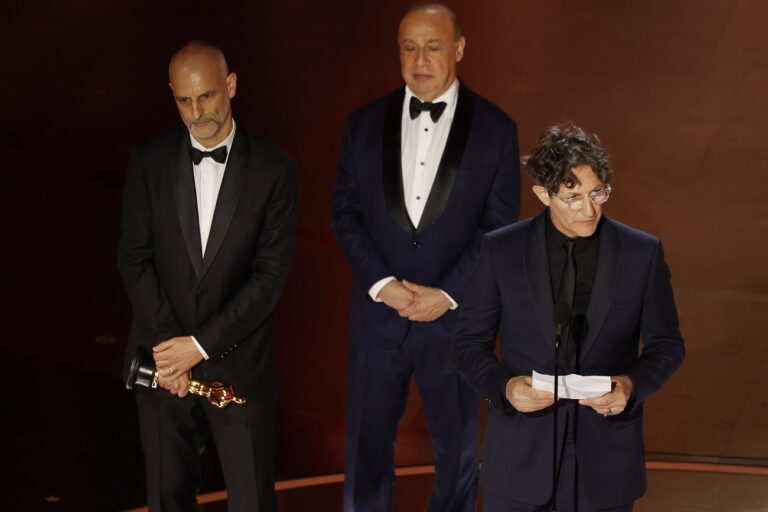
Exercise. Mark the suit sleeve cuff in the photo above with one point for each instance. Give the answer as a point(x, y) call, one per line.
point(454, 304)
point(632, 401)
point(498, 398)
point(200, 348)
point(374, 290)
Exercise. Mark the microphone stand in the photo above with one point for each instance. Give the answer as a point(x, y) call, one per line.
point(562, 316)
point(558, 337)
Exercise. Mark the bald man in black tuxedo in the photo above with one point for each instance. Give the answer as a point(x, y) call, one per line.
point(208, 224)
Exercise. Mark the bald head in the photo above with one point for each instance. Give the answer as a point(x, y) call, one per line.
point(198, 50)
point(202, 87)
point(440, 9)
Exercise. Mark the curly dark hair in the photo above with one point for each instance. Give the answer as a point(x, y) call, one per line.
point(561, 148)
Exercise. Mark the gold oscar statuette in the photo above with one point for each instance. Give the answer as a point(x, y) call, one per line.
point(143, 372)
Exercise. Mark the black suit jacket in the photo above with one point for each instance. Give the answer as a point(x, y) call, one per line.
point(510, 294)
point(224, 299)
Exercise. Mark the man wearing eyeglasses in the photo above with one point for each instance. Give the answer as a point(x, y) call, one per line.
point(617, 288)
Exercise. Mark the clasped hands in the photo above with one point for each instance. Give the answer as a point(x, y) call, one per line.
point(524, 398)
point(415, 302)
point(174, 358)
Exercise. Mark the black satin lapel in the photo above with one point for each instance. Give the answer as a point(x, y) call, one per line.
point(539, 286)
point(229, 194)
point(604, 289)
point(392, 161)
point(450, 162)
point(186, 200)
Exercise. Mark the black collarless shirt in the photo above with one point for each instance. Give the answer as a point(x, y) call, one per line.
point(585, 253)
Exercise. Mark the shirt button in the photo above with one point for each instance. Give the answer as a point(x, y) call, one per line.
point(421, 163)
point(416, 244)
point(426, 129)
point(418, 198)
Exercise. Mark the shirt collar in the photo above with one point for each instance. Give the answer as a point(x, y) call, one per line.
point(226, 142)
point(557, 238)
point(449, 96)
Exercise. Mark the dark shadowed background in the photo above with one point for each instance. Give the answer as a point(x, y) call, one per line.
point(676, 91)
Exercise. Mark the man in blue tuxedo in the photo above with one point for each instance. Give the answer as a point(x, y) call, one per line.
point(617, 287)
point(424, 173)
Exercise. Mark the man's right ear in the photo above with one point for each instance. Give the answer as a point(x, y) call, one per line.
point(542, 194)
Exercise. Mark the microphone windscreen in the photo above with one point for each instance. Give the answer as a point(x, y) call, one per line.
point(562, 313)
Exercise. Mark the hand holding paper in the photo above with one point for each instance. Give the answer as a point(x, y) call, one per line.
point(612, 403)
point(524, 398)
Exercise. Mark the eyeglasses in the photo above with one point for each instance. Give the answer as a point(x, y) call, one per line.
point(576, 203)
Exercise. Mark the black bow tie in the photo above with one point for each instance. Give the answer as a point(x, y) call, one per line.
point(219, 155)
point(417, 107)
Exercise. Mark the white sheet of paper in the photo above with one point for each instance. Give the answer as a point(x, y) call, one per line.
point(573, 386)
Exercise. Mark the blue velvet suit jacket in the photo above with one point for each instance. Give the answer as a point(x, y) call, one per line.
point(476, 190)
point(510, 295)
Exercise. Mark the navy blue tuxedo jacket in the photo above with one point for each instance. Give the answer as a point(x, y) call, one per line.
point(510, 295)
point(476, 190)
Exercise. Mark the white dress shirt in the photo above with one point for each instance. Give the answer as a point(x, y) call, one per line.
point(208, 177)
point(422, 146)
